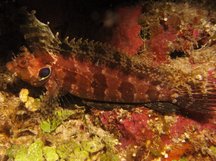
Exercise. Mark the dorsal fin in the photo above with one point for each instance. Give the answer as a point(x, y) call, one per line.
point(36, 33)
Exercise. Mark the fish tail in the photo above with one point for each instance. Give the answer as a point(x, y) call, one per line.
point(200, 103)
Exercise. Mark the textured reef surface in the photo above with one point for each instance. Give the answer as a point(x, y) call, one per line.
point(176, 37)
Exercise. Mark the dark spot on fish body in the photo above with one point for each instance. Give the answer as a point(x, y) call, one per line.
point(83, 87)
point(99, 85)
point(127, 91)
point(99, 94)
point(100, 80)
point(152, 93)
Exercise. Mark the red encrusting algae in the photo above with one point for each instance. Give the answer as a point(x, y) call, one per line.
point(126, 33)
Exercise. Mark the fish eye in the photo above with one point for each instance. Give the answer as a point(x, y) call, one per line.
point(44, 73)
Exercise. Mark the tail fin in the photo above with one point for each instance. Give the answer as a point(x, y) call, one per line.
point(200, 104)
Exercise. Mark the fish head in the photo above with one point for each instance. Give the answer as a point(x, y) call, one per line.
point(33, 68)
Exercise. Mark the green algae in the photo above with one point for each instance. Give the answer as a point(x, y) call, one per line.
point(93, 146)
point(181, 159)
point(50, 153)
point(65, 149)
point(56, 119)
point(213, 149)
point(35, 151)
point(23, 153)
point(19, 153)
point(109, 156)
point(79, 155)
point(48, 126)
point(85, 150)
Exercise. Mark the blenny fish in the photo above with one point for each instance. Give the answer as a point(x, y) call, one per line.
point(95, 71)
